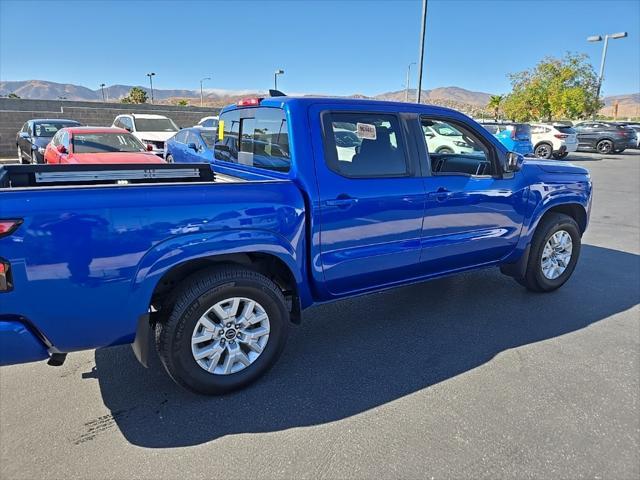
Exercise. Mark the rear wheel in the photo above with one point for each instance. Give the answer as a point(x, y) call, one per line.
point(445, 150)
point(543, 150)
point(604, 146)
point(619, 151)
point(554, 252)
point(227, 327)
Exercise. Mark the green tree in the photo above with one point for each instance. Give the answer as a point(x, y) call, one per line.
point(136, 95)
point(555, 88)
point(13, 95)
point(494, 103)
point(183, 103)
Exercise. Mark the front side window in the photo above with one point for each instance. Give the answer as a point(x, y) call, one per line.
point(106, 143)
point(461, 152)
point(126, 123)
point(181, 136)
point(364, 145)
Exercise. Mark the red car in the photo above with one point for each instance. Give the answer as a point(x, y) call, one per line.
point(97, 145)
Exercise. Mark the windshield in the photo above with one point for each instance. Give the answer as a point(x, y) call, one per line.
point(106, 143)
point(50, 129)
point(155, 125)
point(209, 138)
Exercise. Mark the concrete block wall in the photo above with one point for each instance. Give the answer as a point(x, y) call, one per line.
point(14, 112)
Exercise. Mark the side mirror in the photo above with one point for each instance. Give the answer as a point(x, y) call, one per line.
point(61, 149)
point(192, 146)
point(429, 135)
point(24, 135)
point(514, 162)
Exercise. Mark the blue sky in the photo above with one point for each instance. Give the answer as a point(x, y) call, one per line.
point(332, 47)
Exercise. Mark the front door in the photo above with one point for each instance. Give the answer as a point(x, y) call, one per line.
point(473, 214)
point(371, 198)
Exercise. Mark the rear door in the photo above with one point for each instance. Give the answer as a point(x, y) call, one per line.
point(371, 197)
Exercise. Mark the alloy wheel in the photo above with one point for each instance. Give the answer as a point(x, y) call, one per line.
point(556, 254)
point(230, 336)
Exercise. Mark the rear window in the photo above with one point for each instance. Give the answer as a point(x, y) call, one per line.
point(491, 128)
point(565, 129)
point(523, 129)
point(257, 137)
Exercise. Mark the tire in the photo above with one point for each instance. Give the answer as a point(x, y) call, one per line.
point(445, 150)
point(619, 151)
point(604, 147)
point(560, 156)
point(169, 159)
point(544, 150)
point(34, 157)
point(535, 278)
point(196, 297)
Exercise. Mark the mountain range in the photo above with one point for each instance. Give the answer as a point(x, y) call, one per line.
point(454, 97)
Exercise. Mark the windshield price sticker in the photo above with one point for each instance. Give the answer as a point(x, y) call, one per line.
point(221, 130)
point(366, 131)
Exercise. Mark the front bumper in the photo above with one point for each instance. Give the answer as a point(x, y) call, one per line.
point(19, 345)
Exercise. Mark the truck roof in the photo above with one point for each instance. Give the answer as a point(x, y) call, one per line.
point(279, 102)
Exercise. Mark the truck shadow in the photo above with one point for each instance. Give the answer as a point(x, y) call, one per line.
point(355, 355)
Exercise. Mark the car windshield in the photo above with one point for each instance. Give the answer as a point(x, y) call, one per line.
point(106, 143)
point(209, 138)
point(155, 125)
point(49, 129)
point(446, 130)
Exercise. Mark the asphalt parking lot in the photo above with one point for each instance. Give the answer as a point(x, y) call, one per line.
point(464, 377)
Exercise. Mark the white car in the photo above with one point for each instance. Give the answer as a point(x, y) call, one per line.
point(555, 140)
point(444, 138)
point(150, 129)
point(208, 122)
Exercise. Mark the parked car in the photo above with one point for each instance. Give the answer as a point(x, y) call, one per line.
point(33, 137)
point(636, 128)
point(97, 145)
point(191, 145)
point(151, 130)
point(214, 270)
point(515, 136)
point(553, 140)
point(605, 137)
point(208, 122)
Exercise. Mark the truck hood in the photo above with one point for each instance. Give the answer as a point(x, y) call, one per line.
point(552, 166)
point(155, 136)
point(114, 157)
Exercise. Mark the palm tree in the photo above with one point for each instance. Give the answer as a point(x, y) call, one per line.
point(494, 102)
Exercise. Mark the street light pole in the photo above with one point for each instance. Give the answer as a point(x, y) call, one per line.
point(151, 75)
point(598, 38)
point(201, 96)
point(406, 92)
point(102, 85)
point(422, 33)
point(275, 78)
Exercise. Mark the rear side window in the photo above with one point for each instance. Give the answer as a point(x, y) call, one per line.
point(364, 145)
point(565, 129)
point(256, 137)
point(181, 136)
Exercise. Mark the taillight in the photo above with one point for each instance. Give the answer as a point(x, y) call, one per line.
point(5, 276)
point(249, 102)
point(7, 227)
point(560, 135)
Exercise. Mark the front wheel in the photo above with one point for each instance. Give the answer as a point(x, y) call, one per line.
point(169, 159)
point(543, 150)
point(554, 252)
point(227, 327)
point(560, 156)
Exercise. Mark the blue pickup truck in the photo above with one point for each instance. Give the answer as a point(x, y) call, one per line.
point(312, 200)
